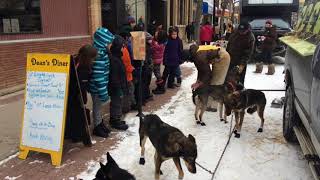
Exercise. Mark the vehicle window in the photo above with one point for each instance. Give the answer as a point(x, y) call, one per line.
point(260, 23)
point(316, 64)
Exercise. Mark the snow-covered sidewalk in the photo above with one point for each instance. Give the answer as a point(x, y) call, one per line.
point(254, 156)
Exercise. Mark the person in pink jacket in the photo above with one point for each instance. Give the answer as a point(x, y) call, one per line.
point(206, 33)
point(158, 46)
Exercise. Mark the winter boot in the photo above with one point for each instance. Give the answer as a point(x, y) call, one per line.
point(119, 125)
point(101, 131)
point(271, 69)
point(160, 87)
point(259, 68)
point(159, 90)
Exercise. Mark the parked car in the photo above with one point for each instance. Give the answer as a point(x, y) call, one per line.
point(282, 28)
point(301, 113)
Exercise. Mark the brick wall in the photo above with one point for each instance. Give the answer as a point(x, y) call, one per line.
point(13, 57)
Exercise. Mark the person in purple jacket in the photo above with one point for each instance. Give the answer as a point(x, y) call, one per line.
point(171, 60)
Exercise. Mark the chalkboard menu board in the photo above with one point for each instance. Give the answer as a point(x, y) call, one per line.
point(46, 95)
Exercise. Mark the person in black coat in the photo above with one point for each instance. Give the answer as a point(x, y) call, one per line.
point(147, 70)
point(117, 84)
point(77, 114)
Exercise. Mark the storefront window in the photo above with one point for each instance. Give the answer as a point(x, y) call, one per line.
point(20, 16)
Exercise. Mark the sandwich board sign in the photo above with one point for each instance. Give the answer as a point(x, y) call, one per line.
point(45, 104)
point(139, 45)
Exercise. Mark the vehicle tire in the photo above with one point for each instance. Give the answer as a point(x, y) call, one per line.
point(290, 116)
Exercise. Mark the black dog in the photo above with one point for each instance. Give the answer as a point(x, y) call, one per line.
point(169, 142)
point(111, 171)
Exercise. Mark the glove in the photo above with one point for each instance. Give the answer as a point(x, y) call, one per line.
point(241, 68)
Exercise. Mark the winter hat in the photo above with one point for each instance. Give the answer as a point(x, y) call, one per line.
point(269, 21)
point(102, 38)
point(131, 19)
point(117, 45)
point(243, 26)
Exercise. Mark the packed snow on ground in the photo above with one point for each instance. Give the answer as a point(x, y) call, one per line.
point(262, 156)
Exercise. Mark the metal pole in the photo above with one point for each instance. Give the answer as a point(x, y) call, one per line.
point(136, 3)
point(140, 114)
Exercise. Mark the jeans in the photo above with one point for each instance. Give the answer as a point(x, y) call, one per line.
point(266, 57)
point(96, 109)
point(169, 73)
point(156, 71)
point(178, 74)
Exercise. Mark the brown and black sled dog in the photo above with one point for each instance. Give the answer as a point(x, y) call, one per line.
point(169, 142)
point(240, 101)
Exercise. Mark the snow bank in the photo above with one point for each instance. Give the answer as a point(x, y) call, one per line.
point(262, 156)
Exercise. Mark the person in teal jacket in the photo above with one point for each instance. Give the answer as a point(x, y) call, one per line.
point(98, 84)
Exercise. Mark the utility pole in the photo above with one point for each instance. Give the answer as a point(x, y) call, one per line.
point(197, 21)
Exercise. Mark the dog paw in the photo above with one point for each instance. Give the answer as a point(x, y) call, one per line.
point(161, 173)
point(260, 130)
point(203, 124)
point(237, 135)
point(142, 161)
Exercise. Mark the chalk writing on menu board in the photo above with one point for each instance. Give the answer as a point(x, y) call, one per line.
point(44, 108)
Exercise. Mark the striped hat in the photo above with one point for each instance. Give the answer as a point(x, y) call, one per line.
point(102, 38)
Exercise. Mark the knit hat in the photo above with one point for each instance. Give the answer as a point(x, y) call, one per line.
point(243, 26)
point(117, 45)
point(131, 19)
point(102, 38)
point(269, 21)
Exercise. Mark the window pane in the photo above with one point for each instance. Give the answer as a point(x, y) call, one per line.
point(20, 16)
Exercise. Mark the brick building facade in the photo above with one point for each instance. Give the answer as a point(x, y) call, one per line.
point(65, 26)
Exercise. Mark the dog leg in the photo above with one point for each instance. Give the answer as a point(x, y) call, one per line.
point(143, 140)
point(196, 113)
point(237, 135)
point(260, 113)
point(202, 110)
point(241, 121)
point(221, 111)
point(177, 162)
point(157, 162)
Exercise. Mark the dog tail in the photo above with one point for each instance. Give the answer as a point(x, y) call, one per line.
point(252, 110)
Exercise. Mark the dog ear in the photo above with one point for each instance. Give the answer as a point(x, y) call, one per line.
point(191, 138)
point(101, 165)
point(110, 159)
